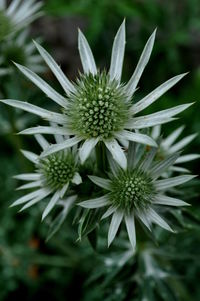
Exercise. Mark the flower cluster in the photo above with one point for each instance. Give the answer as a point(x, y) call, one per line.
point(97, 112)
point(52, 176)
point(14, 33)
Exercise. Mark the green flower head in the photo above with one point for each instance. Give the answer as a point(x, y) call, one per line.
point(137, 192)
point(98, 107)
point(52, 176)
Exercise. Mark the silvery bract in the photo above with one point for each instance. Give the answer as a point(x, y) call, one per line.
point(17, 15)
point(19, 49)
point(98, 107)
point(52, 176)
point(137, 192)
point(168, 145)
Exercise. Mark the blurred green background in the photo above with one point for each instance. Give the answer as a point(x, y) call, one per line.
point(62, 269)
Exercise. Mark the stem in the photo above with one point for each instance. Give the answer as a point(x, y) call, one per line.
point(102, 162)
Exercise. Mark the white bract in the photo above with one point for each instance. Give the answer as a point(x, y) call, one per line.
point(19, 49)
point(137, 192)
point(168, 145)
point(52, 176)
point(98, 107)
point(17, 15)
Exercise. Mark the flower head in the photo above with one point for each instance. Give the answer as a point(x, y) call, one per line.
point(137, 192)
point(17, 15)
point(98, 107)
point(52, 176)
point(168, 146)
point(20, 50)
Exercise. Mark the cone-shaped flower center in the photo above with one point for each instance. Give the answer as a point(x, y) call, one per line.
point(99, 107)
point(132, 190)
point(5, 25)
point(58, 169)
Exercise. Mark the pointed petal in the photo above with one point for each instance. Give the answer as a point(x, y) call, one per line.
point(86, 55)
point(115, 168)
point(63, 80)
point(86, 148)
point(172, 182)
point(146, 163)
point(114, 225)
point(41, 84)
point(12, 7)
point(42, 141)
point(35, 200)
point(160, 167)
point(179, 169)
point(51, 204)
point(30, 156)
point(117, 56)
point(166, 200)
point(136, 137)
point(166, 143)
point(77, 179)
point(142, 123)
point(130, 226)
point(28, 177)
point(182, 143)
point(29, 196)
point(187, 158)
point(108, 212)
point(158, 117)
point(95, 203)
point(143, 216)
point(52, 116)
point(157, 219)
point(46, 130)
point(63, 190)
point(60, 218)
point(155, 94)
point(60, 146)
point(156, 131)
point(101, 182)
point(144, 58)
point(117, 152)
point(30, 185)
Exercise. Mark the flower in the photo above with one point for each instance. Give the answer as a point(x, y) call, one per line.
point(98, 107)
point(18, 49)
point(137, 192)
point(168, 146)
point(17, 15)
point(52, 175)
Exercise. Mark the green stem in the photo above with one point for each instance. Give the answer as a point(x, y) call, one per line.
point(102, 162)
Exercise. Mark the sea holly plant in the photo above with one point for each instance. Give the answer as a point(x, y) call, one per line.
point(17, 15)
point(98, 107)
point(168, 145)
point(20, 49)
point(137, 192)
point(53, 176)
point(97, 122)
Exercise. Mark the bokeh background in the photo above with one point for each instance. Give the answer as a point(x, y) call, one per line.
point(30, 268)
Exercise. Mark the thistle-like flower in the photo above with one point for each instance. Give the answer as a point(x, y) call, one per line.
point(169, 146)
point(98, 107)
point(20, 50)
point(137, 192)
point(17, 15)
point(52, 176)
